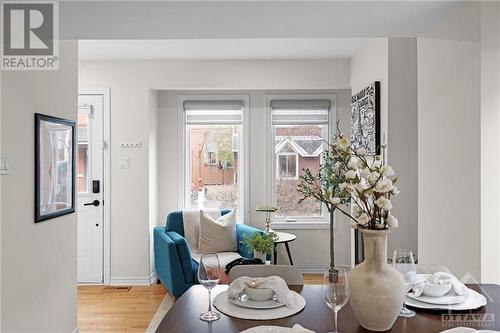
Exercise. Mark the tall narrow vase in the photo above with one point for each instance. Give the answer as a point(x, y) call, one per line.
point(377, 289)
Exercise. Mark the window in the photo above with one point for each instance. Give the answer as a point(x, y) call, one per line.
point(299, 128)
point(83, 151)
point(213, 154)
point(211, 158)
point(287, 166)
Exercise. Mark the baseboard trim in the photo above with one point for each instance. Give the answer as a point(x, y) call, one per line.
point(130, 281)
point(153, 278)
point(76, 330)
point(313, 269)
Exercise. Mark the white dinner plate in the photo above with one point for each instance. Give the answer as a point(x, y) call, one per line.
point(450, 298)
point(222, 303)
point(271, 304)
point(474, 301)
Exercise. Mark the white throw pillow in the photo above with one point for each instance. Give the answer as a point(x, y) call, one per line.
point(217, 235)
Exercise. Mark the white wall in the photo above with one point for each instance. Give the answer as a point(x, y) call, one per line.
point(403, 141)
point(130, 83)
point(368, 65)
point(449, 167)
point(490, 140)
point(38, 260)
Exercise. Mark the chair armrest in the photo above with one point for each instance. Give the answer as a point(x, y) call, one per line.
point(167, 264)
point(243, 230)
point(184, 253)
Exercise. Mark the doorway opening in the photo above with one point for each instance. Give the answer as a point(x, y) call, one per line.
point(92, 178)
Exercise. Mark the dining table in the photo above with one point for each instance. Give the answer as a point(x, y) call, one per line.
point(183, 317)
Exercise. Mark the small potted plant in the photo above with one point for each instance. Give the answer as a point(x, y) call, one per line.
point(260, 243)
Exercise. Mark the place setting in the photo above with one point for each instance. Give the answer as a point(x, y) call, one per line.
point(437, 291)
point(263, 298)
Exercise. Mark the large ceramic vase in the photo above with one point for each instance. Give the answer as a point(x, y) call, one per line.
point(377, 289)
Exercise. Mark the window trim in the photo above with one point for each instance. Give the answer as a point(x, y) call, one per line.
point(309, 222)
point(243, 153)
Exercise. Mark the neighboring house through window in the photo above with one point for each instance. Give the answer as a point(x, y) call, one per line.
point(298, 130)
point(213, 161)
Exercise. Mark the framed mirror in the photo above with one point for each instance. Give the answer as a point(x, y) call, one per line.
point(54, 167)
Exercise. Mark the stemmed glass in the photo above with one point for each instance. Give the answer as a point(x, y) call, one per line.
point(209, 277)
point(335, 291)
point(404, 263)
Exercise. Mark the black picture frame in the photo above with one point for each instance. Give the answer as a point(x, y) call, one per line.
point(42, 213)
point(365, 119)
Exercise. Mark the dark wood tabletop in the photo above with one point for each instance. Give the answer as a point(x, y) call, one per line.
point(316, 316)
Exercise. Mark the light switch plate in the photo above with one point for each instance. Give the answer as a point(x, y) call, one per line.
point(124, 163)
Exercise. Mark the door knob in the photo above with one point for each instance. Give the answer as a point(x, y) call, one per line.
point(95, 203)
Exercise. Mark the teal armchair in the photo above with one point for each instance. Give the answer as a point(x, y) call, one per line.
point(174, 265)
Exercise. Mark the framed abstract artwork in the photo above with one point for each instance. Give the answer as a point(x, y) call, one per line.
point(55, 161)
point(365, 119)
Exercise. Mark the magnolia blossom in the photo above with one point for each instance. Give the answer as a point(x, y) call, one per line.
point(365, 173)
point(361, 151)
point(349, 188)
point(335, 201)
point(354, 225)
point(384, 203)
point(342, 186)
point(361, 164)
point(373, 177)
point(359, 187)
point(337, 165)
point(343, 142)
point(384, 185)
point(364, 219)
point(353, 165)
point(351, 174)
point(387, 171)
point(395, 190)
point(377, 163)
point(392, 221)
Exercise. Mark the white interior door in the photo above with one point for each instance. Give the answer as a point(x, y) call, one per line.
point(90, 188)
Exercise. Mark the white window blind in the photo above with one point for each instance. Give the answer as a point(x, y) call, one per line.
point(222, 112)
point(285, 112)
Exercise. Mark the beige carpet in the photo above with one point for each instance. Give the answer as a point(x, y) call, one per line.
point(167, 303)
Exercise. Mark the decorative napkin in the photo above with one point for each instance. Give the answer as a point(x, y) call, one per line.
point(277, 284)
point(441, 278)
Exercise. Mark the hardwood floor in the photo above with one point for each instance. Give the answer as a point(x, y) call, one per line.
point(101, 309)
point(104, 309)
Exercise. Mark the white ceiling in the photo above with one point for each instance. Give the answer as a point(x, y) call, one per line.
point(282, 48)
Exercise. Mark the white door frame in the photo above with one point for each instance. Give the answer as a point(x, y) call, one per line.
point(105, 92)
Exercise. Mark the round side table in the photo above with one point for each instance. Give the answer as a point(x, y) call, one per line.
point(283, 238)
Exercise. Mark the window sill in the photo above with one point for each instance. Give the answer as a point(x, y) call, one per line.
point(301, 225)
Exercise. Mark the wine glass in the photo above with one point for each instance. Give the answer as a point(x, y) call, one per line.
point(335, 291)
point(404, 263)
point(209, 276)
